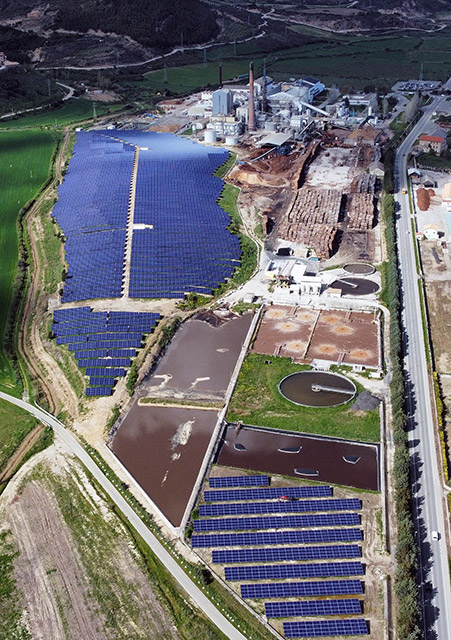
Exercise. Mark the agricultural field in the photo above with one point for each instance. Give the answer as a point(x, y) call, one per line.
point(257, 401)
point(336, 59)
point(65, 556)
point(24, 166)
point(15, 424)
point(72, 111)
point(195, 76)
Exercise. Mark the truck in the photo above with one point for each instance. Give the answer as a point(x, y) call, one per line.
point(404, 191)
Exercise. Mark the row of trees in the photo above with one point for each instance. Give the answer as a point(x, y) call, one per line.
point(406, 588)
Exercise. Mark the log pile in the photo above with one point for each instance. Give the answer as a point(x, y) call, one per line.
point(361, 205)
point(313, 219)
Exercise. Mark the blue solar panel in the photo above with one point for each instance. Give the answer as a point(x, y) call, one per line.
point(290, 609)
point(98, 391)
point(278, 522)
point(301, 589)
point(276, 537)
point(223, 495)
point(278, 554)
point(291, 506)
point(322, 628)
point(239, 481)
point(305, 570)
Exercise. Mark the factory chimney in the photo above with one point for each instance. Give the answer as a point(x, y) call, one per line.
point(220, 76)
point(251, 118)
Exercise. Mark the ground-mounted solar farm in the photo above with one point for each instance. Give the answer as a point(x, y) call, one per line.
point(103, 342)
point(140, 216)
point(296, 553)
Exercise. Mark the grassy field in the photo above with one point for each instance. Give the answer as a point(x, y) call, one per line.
point(195, 76)
point(24, 167)
point(348, 61)
point(74, 110)
point(15, 424)
point(257, 401)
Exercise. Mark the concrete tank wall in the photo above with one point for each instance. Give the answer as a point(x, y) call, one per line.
point(210, 136)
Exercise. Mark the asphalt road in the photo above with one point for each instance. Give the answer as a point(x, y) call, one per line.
point(171, 565)
point(428, 493)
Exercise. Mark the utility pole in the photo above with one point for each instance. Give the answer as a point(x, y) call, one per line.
point(205, 58)
point(48, 86)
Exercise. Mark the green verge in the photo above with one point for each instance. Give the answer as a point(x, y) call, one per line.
point(15, 424)
point(257, 401)
point(409, 615)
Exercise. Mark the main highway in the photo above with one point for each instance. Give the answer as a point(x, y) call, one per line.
point(198, 597)
point(427, 489)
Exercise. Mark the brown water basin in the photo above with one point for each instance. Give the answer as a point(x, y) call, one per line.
point(202, 356)
point(348, 463)
point(163, 449)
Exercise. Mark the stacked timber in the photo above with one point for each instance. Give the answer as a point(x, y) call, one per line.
point(313, 219)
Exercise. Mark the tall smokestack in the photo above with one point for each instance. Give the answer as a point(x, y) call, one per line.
point(220, 76)
point(251, 118)
point(264, 96)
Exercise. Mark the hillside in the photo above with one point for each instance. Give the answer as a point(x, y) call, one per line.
point(156, 24)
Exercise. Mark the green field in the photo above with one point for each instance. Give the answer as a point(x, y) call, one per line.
point(74, 110)
point(347, 61)
point(14, 426)
point(24, 167)
point(195, 76)
point(257, 401)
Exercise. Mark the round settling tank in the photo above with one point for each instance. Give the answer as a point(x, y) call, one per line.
point(359, 268)
point(210, 136)
point(317, 389)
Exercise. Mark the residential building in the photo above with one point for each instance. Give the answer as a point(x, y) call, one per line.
point(432, 143)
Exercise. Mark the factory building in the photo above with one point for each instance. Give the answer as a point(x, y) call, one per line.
point(222, 102)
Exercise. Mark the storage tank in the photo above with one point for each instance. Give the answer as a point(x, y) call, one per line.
point(270, 126)
point(210, 136)
point(231, 141)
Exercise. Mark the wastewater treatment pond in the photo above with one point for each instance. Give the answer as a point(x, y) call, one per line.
point(163, 446)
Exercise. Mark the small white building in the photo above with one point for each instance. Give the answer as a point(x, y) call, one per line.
point(431, 232)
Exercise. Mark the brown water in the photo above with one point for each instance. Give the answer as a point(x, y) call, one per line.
point(298, 388)
point(356, 286)
point(202, 356)
point(163, 449)
point(262, 452)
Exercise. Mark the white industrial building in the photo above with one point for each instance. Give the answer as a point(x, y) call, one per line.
point(222, 102)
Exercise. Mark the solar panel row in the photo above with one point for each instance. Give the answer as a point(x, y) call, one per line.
point(323, 628)
point(278, 522)
point(337, 607)
point(301, 589)
point(284, 571)
point(290, 506)
point(279, 554)
point(239, 481)
point(276, 537)
point(223, 495)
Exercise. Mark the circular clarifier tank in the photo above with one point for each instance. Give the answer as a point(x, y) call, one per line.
point(355, 286)
point(317, 389)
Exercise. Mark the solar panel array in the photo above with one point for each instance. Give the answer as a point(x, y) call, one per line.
point(303, 511)
point(336, 607)
point(180, 239)
point(277, 522)
point(284, 571)
point(248, 508)
point(239, 481)
point(322, 628)
point(267, 494)
point(276, 537)
point(301, 589)
point(279, 554)
point(94, 336)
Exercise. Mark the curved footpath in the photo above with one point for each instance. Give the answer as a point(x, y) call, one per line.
point(164, 556)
